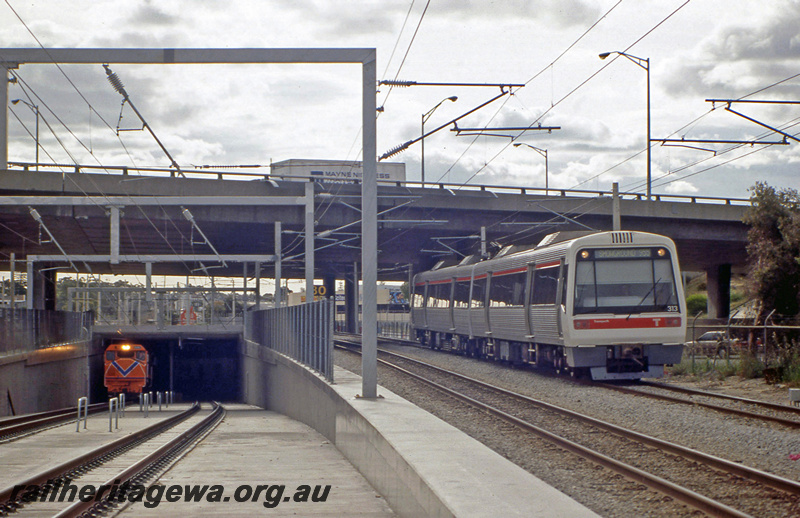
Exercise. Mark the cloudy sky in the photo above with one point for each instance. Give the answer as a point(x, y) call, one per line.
point(226, 115)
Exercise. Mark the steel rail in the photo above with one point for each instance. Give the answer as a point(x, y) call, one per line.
point(80, 462)
point(23, 423)
point(672, 399)
point(742, 413)
point(671, 489)
point(757, 402)
point(144, 468)
point(774, 481)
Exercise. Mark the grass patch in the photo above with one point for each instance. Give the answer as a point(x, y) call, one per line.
point(750, 366)
point(704, 367)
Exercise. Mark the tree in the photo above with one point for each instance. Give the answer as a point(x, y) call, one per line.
point(773, 248)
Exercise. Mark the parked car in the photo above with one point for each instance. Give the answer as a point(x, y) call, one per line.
point(714, 343)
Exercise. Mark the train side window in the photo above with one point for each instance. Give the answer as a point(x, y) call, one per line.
point(141, 356)
point(439, 295)
point(110, 356)
point(507, 290)
point(461, 294)
point(478, 293)
point(545, 285)
point(418, 301)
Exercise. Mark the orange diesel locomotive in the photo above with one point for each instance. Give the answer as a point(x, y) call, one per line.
point(127, 368)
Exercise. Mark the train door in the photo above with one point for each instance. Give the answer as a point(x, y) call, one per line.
point(469, 299)
point(452, 303)
point(418, 305)
point(561, 298)
point(543, 311)
point(486, 304)
point(528, 282)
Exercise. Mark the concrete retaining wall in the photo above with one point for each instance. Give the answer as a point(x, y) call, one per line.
point(45, 379)
point(421, 465)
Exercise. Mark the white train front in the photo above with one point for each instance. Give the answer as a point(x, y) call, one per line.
point(606, 304)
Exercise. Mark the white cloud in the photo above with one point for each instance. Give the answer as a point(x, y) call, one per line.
point(681, 187)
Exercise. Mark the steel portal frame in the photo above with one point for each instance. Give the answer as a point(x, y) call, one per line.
point(12, 58)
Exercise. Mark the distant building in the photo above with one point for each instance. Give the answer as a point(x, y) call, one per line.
point(336, 171)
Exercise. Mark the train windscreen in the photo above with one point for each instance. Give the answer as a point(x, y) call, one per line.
point(624, 280)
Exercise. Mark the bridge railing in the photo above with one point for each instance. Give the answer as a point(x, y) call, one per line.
point(452, 188)
point(303, 332)
point(25, 330)
point(161, 307)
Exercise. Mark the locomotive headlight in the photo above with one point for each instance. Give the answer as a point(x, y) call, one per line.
point(584, 254)
point(661, 252)
point(126, 347)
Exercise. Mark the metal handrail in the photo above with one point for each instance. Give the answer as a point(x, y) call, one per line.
point(452, 187)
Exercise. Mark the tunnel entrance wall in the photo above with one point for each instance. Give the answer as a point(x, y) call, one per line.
point(45, 379)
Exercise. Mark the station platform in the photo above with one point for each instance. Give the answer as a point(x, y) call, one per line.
point(389, 458)
point(421, 465)
point(264, 461)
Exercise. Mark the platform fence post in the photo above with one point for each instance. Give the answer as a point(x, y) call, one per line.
point(83, 403)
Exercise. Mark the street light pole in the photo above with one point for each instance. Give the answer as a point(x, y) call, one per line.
point(35, 109)
point(426, 116)
point(542, 152)
point(645, 64)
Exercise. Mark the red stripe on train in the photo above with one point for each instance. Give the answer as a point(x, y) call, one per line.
point(626, 323)
point(509, 272)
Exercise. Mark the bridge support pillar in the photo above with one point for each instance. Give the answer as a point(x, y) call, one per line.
point(351, 300)
point(718, 281)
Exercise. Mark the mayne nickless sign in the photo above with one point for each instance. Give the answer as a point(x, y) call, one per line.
point(343, 171)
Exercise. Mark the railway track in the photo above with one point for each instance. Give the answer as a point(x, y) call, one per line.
point(20, 426)
point(134, 459)
point(772, 412)
point(711, 484)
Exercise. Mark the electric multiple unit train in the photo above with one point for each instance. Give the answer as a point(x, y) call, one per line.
point(608, 305)
point(127, 368)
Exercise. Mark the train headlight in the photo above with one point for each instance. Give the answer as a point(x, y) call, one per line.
point(661, 252)
point(125, 347)
point(584, 254)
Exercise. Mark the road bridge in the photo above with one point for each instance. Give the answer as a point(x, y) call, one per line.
point(229, 225)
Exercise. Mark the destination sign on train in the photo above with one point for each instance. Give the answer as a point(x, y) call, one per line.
point(619, 253)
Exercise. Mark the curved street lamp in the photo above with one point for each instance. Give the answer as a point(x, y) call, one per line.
point(36, 111)
point(425, 117)
point(542, 152)
point(645, 64)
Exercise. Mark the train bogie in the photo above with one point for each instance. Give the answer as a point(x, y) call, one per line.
point(608, 304)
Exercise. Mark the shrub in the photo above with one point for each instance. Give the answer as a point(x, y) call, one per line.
point(697, 303)
point(750, 366)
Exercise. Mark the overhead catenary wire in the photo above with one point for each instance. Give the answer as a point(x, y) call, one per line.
point(579, 86)
point(28, 91)
point(552, 104)
point(116, 82)
point(74, 86)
